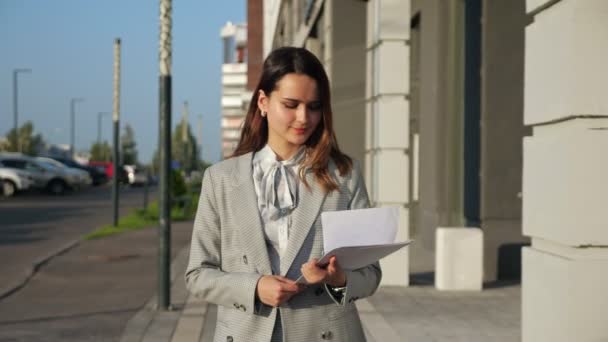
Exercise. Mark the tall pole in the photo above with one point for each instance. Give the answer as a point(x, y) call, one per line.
point(16, 142)
point(200, 136)
point(116, 129)
point(72, 124)
point(164, 254)
point(99, 115)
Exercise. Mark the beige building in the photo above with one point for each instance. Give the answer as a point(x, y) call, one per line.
point(234, 82)
point(478, 113)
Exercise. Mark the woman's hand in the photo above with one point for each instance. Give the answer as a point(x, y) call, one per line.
point(333, 275)
point(275, 290)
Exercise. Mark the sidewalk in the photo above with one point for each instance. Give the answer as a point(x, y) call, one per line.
point(417, 313)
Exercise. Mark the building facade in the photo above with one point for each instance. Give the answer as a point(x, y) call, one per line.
point(234, 84)
point(478, 113)
point(565, 190)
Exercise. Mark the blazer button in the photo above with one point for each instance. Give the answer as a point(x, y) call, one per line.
point(242, 307)
point(326, 335)
point(236, 305)
point(229, 339)
point(245, 259)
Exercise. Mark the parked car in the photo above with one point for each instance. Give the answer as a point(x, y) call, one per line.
point(108, 168)
point(135, 175)
point(97, 174)
point(83, 179)
point(45, 175)
point(12, 181)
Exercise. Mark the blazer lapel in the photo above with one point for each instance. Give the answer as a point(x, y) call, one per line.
point(304, 216)
point(247, 215)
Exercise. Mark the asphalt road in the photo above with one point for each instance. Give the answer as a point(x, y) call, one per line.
point(34, 225)
point(89, 292)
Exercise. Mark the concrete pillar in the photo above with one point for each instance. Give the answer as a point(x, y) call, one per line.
point(387, 120)
point(565, 190)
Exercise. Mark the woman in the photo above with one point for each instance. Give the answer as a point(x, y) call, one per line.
point(258, 223)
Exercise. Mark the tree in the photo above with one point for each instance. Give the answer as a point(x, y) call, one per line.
point(184, 150)
point(29, 142)
point(128, 146)
point(101, 152)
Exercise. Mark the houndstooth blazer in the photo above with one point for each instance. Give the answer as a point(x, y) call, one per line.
point(228, 255)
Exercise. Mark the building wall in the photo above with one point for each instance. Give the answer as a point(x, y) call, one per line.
point(502, 130)
point(346, 61)
point(564, 172)
point(234, 83)
point(255, 42)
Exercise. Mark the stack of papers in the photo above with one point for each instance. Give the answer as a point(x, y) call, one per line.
point(359, 237)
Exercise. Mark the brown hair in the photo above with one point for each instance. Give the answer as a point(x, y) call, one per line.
point(322, 145)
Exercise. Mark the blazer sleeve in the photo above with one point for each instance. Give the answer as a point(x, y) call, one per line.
point(362, 282)
point(204, 276)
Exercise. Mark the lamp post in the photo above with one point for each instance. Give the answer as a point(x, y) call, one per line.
point(73, 101)
point(99, 115)
point(16, 142)
point(116, 129)
point(164, 250)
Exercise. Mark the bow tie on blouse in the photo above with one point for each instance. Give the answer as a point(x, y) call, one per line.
point(279, 183)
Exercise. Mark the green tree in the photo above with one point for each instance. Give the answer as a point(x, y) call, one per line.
point(29, 142)
point(101, 152)
point(184, 149)
point(128, 146)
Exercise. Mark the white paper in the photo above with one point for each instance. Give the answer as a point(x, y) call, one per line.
point(361, 227)
point(359, 237)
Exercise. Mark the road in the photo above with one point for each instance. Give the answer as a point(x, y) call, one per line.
point(34, 225)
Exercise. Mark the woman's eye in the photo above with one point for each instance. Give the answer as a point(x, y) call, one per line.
point(315, 107)
point(290, 106)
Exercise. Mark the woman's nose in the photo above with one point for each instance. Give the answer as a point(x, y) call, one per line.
point(302, 113)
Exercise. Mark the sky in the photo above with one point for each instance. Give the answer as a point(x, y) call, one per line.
point(68, 44)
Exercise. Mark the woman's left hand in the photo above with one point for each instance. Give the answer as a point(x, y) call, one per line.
point(333, 275)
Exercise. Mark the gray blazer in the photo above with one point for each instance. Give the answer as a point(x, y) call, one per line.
point(228, 255)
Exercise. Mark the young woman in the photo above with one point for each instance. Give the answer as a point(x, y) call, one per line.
point(258, 224)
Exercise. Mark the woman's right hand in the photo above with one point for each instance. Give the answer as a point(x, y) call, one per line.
point(275, 290)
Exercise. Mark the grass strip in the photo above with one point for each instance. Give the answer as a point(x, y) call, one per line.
point(140, 218)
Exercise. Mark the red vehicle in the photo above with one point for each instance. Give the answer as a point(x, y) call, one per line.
point(108, 168)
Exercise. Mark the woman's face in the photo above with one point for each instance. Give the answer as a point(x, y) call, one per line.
point(293, 111)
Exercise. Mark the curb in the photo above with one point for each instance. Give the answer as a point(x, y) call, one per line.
point(31, 271)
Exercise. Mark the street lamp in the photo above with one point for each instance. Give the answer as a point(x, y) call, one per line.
point(17, 144)
point(99, 115)
point(72, 103)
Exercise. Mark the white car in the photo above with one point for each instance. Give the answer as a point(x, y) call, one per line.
point(12, 180)
point(135, 175)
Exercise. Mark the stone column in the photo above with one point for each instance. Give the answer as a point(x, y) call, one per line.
point(387, 152)
point(565, 188)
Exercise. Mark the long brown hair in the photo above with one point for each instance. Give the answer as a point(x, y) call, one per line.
point(322, 145)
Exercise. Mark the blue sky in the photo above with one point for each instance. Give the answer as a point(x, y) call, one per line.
point(68, 44)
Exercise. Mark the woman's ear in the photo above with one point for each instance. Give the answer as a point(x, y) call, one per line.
point(262, 101)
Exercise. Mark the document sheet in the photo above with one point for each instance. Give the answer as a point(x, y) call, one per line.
point(359, 237)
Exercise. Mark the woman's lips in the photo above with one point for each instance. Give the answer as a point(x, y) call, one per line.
point(300, 130)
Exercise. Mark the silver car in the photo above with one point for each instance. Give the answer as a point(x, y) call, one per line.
point(45, 176)
point(13, 180)
point(83, 179)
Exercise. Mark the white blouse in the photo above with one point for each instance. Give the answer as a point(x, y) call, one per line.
point(276, 185)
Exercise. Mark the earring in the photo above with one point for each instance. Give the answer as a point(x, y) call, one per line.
point(263, 114)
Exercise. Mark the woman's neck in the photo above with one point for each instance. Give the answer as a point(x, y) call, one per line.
point(283, 151)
